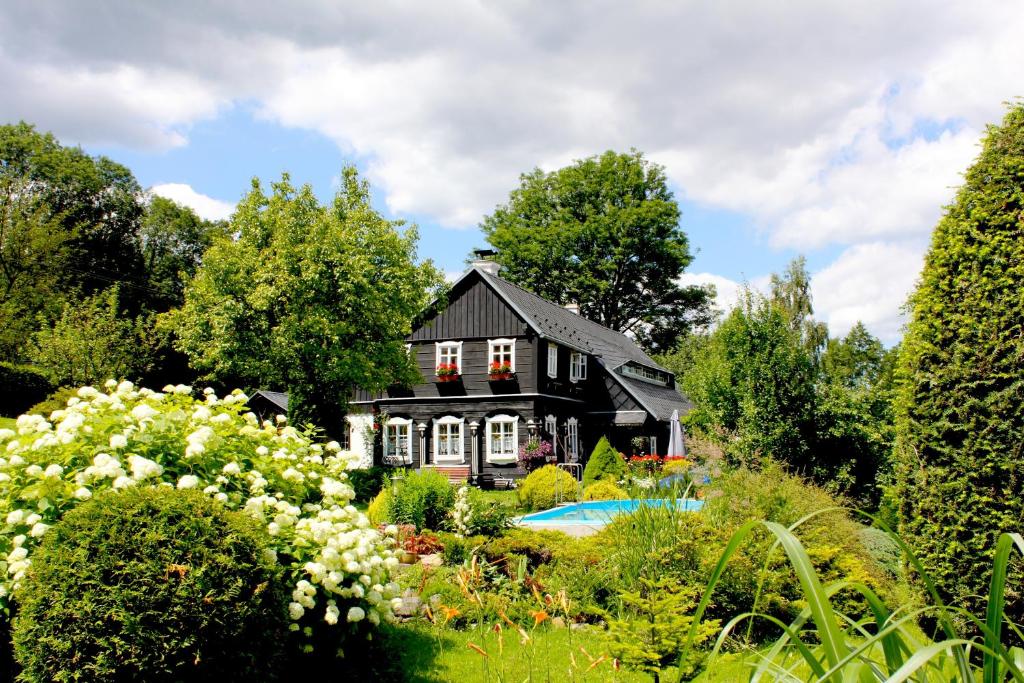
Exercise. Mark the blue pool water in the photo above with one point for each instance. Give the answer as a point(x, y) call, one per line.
point(601, 511)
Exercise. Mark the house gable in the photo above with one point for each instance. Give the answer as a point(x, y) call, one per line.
point(473, 311)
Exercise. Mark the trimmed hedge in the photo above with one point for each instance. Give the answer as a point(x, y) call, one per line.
point(23, 386)
point(960, 422)
point(151, 584)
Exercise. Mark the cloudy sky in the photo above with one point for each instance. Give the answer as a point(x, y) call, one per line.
point(836, 130)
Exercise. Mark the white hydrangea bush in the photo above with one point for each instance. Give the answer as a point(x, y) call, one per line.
point(337, 563)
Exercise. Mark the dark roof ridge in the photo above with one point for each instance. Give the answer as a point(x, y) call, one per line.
point(644, 359)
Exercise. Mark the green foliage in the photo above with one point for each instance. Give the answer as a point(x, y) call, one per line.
point(92, 341)
point(487, 516)
point(173, 240)
point(659, 617)
point(424, 498)
point(23, 386)
point(538, 491)
point(68, 223)
point(960, 423)
point(151, 584)
point(379, 510)
point(604, 490)
point(58, 400)
point(603, 233)
point(315, 299)
point(368, 483)
point(604, 462)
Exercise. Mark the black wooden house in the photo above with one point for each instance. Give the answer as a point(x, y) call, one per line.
point(502, 365)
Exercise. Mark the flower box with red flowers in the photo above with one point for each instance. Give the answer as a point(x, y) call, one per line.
point(447, 372)
point(498, 372)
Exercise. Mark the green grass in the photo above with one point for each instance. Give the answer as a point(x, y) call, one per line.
point(552, 654)
point(509, 499)
point(7, 422)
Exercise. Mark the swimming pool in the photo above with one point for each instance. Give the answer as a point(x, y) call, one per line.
point(601, 511)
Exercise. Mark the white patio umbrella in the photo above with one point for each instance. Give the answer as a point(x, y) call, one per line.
point(675, 438)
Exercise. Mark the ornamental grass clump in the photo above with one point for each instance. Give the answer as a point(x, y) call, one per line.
point(152, 584)
point(335, 565)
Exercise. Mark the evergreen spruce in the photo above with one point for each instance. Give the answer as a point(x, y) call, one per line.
point(604, 462)
point(961, 404)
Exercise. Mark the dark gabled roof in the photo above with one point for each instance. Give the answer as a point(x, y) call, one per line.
point(570, 329)
point(276, 398)
point(658, 400)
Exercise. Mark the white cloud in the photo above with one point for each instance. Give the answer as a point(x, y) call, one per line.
point(726, 291)
point(824, 122)
point(870, 283)
point(206, 207)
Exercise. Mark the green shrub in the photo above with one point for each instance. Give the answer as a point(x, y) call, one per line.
point(423, 498)
point(151, 584)
point(604, 490)
point(58, 400)
point(367, 483)
point(959, 420)
point(604, 462)
point(379, 511)
point(23, 386)
point(539, 547)
point(539, 488)
point(474, 513)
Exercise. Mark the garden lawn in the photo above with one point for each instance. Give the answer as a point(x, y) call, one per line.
point(552, 654)
point(509, 499)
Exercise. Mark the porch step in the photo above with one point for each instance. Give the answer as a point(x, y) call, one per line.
point(456, 475)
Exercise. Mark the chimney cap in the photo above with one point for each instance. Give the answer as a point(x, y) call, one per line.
point(573, 308)
point(485, 261)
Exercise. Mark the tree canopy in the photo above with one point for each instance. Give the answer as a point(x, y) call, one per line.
point(313, 299)
point(603, 233)
point(960, 410)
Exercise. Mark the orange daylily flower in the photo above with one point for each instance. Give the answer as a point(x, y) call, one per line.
point(539, 617)
point(477, 648)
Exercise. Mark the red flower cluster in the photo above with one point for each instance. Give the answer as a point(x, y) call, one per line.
point(447, 372)
point(500, 370)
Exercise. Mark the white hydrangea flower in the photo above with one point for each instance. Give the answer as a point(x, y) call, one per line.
point(118, 441)
point(232, 469)
point(355, 614)
point(295, 611)
point(188, 481)
point(144, 468)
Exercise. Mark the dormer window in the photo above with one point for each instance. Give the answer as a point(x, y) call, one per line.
point(577, 366)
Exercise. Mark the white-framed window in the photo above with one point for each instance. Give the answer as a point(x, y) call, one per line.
point(572, 438)
point(502, 352)
point(551, 427)
point(449, 352)
point(398, 441)
point(448, 439)
point(577, 366)
point(502, 438)
point(552, 360)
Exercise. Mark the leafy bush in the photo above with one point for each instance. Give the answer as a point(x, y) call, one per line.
point(152, 584)
point(58, 400)
point(379, 510)
point(539, 488)
point(423, 498)
point(333, 561)
point(604, 490)
point(604, 462)
point(367, 483)
point(473, 514)
point(539, 547)
point(23, 386)
point(959, 420)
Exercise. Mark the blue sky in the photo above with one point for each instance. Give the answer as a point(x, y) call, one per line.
point(823, 128)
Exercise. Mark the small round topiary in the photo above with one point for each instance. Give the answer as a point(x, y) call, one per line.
point(538, 490)
point(604, 490)
point(151, 584)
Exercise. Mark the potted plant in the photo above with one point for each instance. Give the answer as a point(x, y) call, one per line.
point(500, 371)
point(447, 372)
point(535, 453)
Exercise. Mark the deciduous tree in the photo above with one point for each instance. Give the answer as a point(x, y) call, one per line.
point(313, 299)
point(603, 233)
